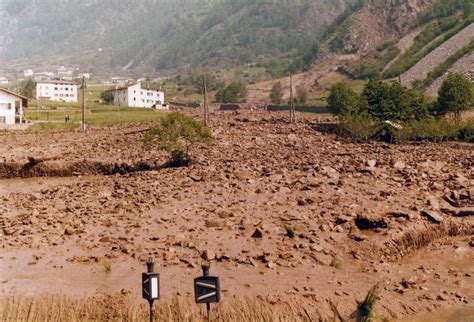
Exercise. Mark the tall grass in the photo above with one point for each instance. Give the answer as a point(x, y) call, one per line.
point(121, 308)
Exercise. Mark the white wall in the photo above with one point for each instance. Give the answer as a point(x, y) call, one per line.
point(139, 97)
point(7, 107)
point(59, 92)
point(135, 96)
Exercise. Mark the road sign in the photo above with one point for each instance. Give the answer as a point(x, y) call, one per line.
point(151, 286)
point(207, 289)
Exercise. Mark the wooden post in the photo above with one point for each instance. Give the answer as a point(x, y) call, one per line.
point(292, 102)
point(207, 120)
point(83, 125)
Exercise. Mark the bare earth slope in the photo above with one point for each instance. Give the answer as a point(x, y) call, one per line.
point(360, 213)
point(437, 56)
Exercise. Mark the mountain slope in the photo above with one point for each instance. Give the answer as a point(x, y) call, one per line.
point(159, 34)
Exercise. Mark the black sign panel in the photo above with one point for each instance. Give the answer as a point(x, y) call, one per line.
point(207, 289)
point(151, 286)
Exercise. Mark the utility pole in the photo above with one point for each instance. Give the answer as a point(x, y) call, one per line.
point(292, 102)
point(207, 120)
point(83, 125)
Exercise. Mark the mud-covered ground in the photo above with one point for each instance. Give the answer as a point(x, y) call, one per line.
point(282, 211)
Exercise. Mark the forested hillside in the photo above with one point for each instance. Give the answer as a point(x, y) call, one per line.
point(160, 34)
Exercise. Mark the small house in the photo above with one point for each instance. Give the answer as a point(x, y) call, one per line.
point(11, 107)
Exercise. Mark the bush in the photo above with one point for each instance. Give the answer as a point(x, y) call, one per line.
point(107, 97)
point(177, 134)
point(276, 94)
point(301, 95)
point(360, 126)
point(432, 129)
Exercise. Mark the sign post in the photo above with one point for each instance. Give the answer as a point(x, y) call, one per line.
point(207, 290)
point(150, 286)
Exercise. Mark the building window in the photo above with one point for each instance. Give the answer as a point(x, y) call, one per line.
point(3, 120)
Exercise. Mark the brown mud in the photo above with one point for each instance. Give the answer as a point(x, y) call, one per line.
point(285, 213)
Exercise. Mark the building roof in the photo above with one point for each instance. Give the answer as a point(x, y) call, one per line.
point(141, 87)
point(56, 81)
point(23, 98)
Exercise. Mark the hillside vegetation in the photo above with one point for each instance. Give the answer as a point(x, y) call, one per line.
point(161, 34)
point(372, 29)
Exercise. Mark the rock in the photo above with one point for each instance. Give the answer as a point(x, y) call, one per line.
point(399, 165)
point(371, 163)
point(257, 233)
point(432, 216)
point(433, 202)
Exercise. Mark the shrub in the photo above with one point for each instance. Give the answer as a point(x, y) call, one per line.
point(301, 95)
point(177, 134)
point(107, 97)
point(276, 94)
point(433, 129)
point(360, 126)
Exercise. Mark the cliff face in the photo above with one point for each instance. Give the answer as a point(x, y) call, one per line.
point(382, 21)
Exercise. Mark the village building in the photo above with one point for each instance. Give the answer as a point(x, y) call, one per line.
point(136, 96)
point(65, 72)
point(11, 107)
point(3, 81)
point(56, 90)
point(28, 73)
point(43, 76)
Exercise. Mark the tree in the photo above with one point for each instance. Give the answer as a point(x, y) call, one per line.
point(276, 94)
point(27, 87)
point(177, 134)
point(211, 81)
point(455, 95)
point(107, 97)
point(342, 100)
point(235, 92)
point(301, 95)
point(394, 102)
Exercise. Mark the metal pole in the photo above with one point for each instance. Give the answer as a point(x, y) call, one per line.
point(83, 127)
point(205, 272)
point(151, 311)
point(150, 266)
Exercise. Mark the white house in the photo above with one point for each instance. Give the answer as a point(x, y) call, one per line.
point(11, 107)
point(136, 96)
point(56, 90)
point(28, 73)
point(65, 71)
point(3, 81)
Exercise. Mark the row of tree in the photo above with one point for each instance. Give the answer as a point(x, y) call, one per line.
point(391, 101)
